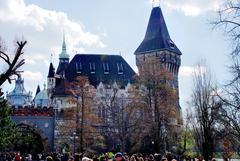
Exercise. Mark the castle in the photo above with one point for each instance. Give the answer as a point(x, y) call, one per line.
point(105, 73)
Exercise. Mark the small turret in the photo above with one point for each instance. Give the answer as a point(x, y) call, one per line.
point(64, 54)
point(51, 81)
point(63, 59)
point(19, 96)
point(38, 90)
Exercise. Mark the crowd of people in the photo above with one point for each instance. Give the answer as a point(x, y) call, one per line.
point(7, 156)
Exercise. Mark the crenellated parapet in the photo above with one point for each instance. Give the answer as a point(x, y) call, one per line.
point(32, 111)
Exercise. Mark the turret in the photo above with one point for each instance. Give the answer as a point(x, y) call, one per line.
point(19, 96)
point(51, 81)
point(63, 59)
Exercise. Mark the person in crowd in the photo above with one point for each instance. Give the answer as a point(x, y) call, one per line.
point(49, 158)
point(118, 157)
point(157, 157)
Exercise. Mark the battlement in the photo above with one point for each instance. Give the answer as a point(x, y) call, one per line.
point(32, 111)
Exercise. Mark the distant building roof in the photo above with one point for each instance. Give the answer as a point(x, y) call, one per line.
point(51, 71)
point(100, 68)
point(41, 98)
point(157, 36)
point(19, 96)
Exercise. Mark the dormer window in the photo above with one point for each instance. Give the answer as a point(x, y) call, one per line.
point(106, 68)
point(79, 67)
point(120, 68)
point(171, 44)
point(92, 68)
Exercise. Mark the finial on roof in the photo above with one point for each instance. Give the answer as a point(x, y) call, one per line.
point(51, 58)
point(64, 43)
point(64, 54)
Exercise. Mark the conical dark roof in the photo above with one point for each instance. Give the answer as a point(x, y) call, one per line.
point(38, 90)
point(157, 36)
point(51, 71)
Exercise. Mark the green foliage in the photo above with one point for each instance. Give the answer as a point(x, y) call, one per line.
point(7, 127)
point(187, 143)
point(28, 140)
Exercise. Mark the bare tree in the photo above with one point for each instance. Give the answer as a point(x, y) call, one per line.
point(230, 111)
point(82, 94)
point(121, 116)
point(205, 111)
point(229, 21)
point(13, 64)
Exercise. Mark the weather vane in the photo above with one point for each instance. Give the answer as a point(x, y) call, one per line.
point(156, 3)
point(51, 59)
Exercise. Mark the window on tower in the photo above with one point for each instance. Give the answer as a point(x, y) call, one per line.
point(171, 44)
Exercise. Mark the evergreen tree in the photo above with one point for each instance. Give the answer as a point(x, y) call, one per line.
point(7, 126)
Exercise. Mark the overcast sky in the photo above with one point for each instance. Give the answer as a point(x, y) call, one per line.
point(110, 27)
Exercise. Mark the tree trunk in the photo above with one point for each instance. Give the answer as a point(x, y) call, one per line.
point(82, 126)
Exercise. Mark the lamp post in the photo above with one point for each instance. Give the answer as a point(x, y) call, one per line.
point(153, 147)
point(74, 142)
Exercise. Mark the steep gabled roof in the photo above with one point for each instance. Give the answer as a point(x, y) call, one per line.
point(38, 90)
point(157, 36)
point(51, 71)
point(105, 68)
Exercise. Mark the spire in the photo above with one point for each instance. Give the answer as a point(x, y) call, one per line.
point(51, 71)
point(157, 36)
point(64, 54)
point(38, 90)
point(64, 43)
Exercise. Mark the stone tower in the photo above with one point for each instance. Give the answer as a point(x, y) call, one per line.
point(157, 45)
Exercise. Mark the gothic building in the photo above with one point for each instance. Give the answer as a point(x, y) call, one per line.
point(105, 73)
point(99, 68)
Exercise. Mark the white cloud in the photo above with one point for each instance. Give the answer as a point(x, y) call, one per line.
point(43, 30)
point(17, 12)
point(30, 75)
point(186, 71)
point(30, 61)
point(191, 7)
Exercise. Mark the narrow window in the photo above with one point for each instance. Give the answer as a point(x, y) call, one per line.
point(171, 44)
point(79, 67)
point(92, 68)
point(120, 68)
point(106, 68)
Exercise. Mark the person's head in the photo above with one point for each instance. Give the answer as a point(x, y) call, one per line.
point(151, 157)
point(49, 158)
point(70, 158)
point(118, 157)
